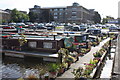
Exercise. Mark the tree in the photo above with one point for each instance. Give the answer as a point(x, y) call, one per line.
point(33, 16)
point(46, 16)
point(109, 17)
point(105, 20)
point(17, 16)
point(97, 18)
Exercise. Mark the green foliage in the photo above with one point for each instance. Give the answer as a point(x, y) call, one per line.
point(17, 16)
point(4, 21)
point(63, 51)
point(83, 50)
point(92, 62)
point(97, 18)
point(46, 16)
point(22, 40)
point(33, 16)
point(42, 72)
point(78, 72)
point(70, 59)
point(95, 43)
point(102, 50)
point(87, 72)
point(53, 67)
point(97, 54)
point(105, 20)
point(65, 65)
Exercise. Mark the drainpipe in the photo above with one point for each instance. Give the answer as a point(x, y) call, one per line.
point(54, 37)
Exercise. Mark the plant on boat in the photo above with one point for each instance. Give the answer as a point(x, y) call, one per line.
point(32, 77)
point(53, 68)
point(74, 54)
point(70, 59)
point(106, 45)
point(88, 69)
point(90, 43)
point(102, 50)
point(22, 40)
point(20, 79)
point(61, 69)
point(77, 73)
point(81, 54)
point(99, 39)
point(42, 72)
point(83, 50)
point(95, 43)
point(97, 54)
point(87, 72)
point(92, 62)
point(63, 51)
point(97, 58)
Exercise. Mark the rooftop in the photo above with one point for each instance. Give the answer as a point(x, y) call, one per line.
point(2, 11)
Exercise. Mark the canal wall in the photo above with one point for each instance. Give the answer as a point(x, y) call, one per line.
point(116, 63)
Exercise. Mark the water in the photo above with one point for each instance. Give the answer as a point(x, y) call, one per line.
point(19, 68)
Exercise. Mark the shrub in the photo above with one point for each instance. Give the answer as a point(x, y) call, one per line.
point(53, 67)
point(78, 72)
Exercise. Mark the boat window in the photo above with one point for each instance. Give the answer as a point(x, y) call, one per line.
point(32, 44)
point(47, 45)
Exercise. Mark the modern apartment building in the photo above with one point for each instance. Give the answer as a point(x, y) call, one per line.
point(72, 14)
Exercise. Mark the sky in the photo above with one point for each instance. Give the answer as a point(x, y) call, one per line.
point(104, 7)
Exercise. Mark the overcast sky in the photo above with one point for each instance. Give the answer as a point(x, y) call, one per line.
point(104, 7)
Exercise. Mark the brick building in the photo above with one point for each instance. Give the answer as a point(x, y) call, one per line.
point(72, 14)
point(4, 16)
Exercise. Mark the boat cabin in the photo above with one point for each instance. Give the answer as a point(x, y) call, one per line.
point(48, 45)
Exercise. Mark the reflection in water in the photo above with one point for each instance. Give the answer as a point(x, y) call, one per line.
point(16, 67)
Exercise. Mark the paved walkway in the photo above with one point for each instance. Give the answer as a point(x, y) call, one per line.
point(85, 59)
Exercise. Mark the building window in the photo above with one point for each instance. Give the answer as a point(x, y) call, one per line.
point(61, 9)
point(74, 12)
point(60, 13)
point(74, 16)
point(74, 8)
point(50, 9)
point(66, 13)
point(55, 13)
point(55, 9)
point(33, 10)
point(55, 17)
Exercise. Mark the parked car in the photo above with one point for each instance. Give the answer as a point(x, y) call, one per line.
point(82, 28)
point(12, 24)
point(76, 28)
point(20, 24)
point(31, 26)
point(41, 26)
point(8, 27)
point(94, 31)
point(51, 27)
point(91, 27)
point(113, 28)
